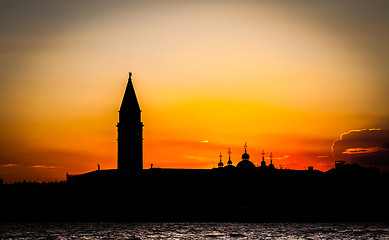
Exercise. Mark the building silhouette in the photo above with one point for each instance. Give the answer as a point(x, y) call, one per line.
point(130, 128)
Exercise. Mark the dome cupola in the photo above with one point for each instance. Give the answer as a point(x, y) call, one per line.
point(220, 164)
point(271, 165)
point(245, 155)
point(245, 164)
point(263, 163)
point(229, 157)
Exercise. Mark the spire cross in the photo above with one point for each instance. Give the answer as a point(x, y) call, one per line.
point(245, 146)
point(220, 156)
point(229, 152)
point(271, 157)
point(263, 154)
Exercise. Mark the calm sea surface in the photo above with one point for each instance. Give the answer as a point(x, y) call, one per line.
point(195, 231)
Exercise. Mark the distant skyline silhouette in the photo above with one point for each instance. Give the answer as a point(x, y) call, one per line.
point(241, 191)
point(130, 147)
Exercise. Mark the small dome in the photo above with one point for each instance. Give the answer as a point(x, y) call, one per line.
point(220, 164)
point(263, 163)
point(245, 165)
point(245, 156)
point(229, 162)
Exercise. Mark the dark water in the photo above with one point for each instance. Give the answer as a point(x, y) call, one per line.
point(195, 231)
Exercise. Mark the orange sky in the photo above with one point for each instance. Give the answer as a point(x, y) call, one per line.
point(285, 77)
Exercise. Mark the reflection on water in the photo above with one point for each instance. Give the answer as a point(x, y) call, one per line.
point(195, 231)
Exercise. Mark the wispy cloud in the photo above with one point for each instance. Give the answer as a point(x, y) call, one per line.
point(193, 157)
point(43, 166)
point(322, 156)
point(280, 158)
point(360, 150)
point(205, 141)
point(10, 165)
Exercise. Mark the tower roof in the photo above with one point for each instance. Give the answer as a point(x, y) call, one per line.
point(130, 102)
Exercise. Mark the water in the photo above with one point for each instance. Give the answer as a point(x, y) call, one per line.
point(195, 231)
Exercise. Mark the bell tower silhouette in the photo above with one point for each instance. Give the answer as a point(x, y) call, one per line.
point(130, 128)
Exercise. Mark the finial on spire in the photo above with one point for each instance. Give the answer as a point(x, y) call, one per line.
point(220, 156)
point(129, 74)
point(229, 152)
point(263, 154)
point(271, 157)
point(245, 146)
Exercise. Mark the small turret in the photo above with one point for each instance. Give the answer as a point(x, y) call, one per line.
point(245, 155)
point(220, 164)
point(229, 158)
point(263, 163)
point(271, 165)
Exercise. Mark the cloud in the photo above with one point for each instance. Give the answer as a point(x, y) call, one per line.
point(366, 147)
point(9, 165)
point(43, 166)
point(283, 157)
point(359, 150)
point(348, 133)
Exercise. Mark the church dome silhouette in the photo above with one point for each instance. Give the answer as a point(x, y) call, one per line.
point(220, 164)
point(229, 162)
point(245, 156)
point(246, 165)
point(271, 165)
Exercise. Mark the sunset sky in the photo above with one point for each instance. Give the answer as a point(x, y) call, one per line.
point(288, 77)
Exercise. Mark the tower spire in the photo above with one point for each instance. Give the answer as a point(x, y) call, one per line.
point(130, 128)
point(130, 101)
